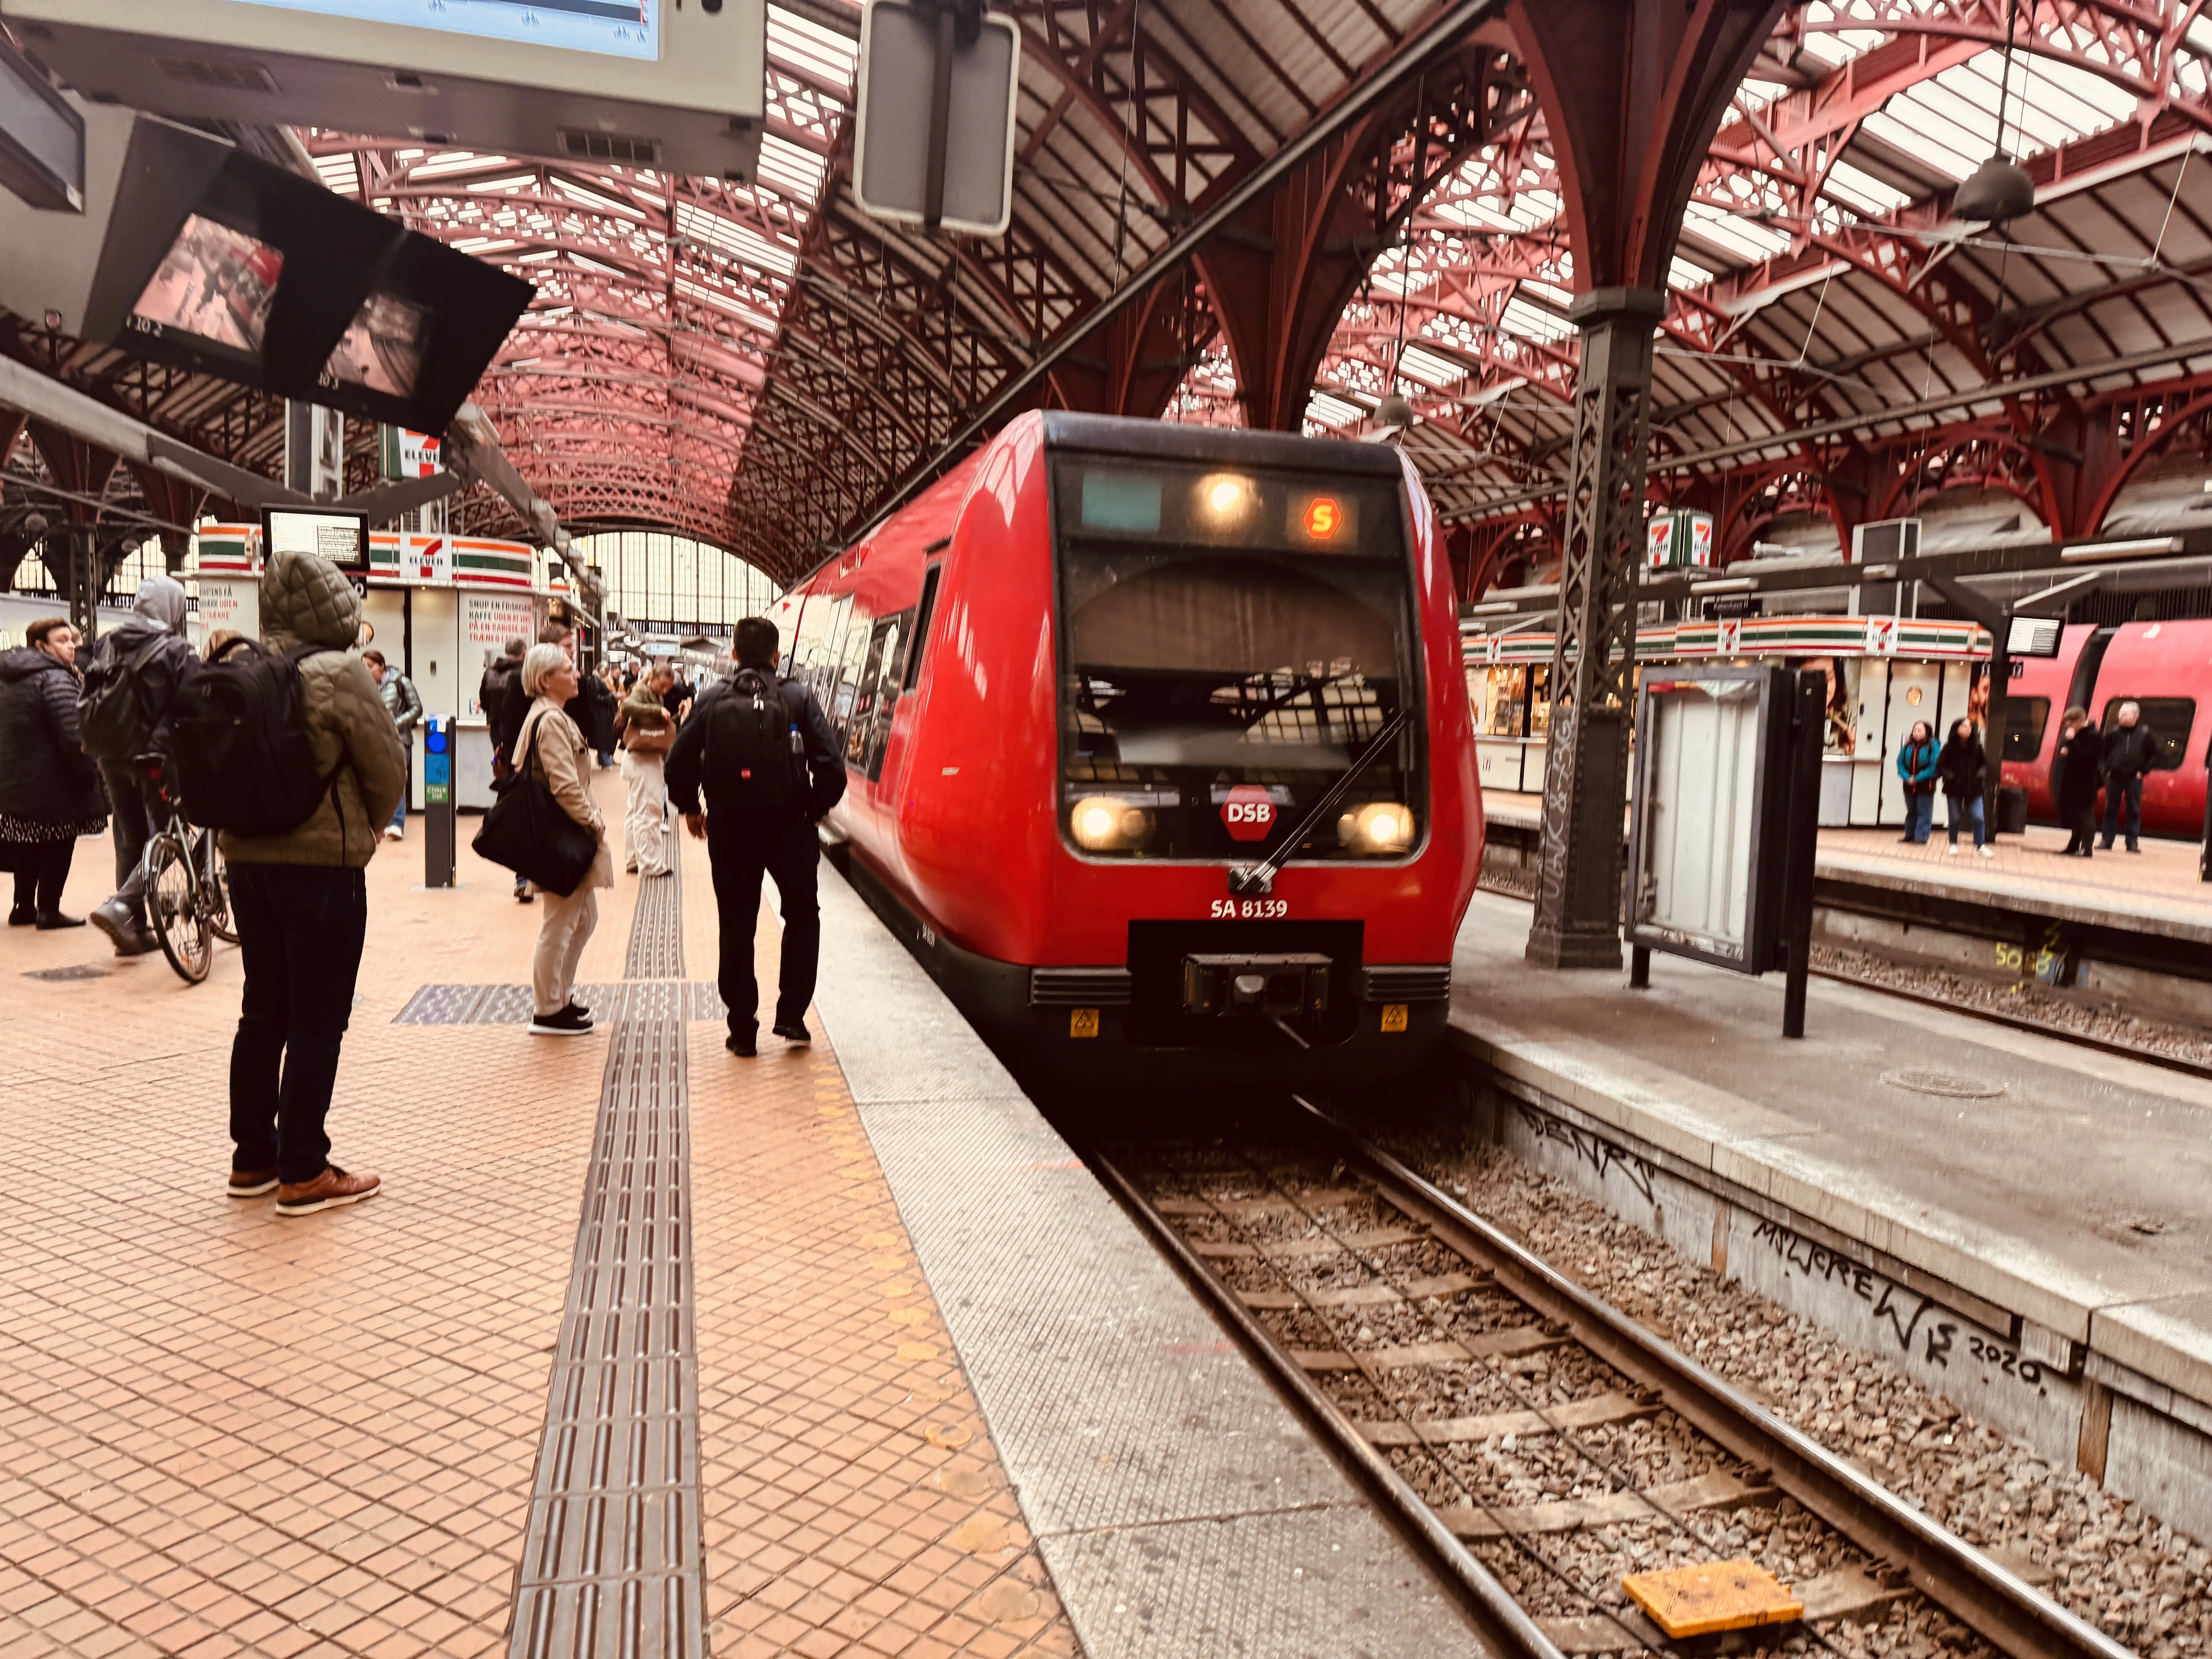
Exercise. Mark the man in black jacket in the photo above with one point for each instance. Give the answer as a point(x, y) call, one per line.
point(743, 843)
point(145, 660)
point(2129, 752)
point(501, 675)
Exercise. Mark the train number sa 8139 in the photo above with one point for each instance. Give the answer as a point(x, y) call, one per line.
point(1266, 909)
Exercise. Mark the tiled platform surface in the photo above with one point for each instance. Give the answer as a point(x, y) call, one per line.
point(221, 1433)
point(2156, 890)
point(2065, 1213)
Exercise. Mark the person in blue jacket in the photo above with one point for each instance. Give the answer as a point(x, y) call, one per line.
point(1916, 764)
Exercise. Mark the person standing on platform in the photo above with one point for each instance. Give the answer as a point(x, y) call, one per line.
point(129, 677)
point(300, 900)
point(647, 733)
point(1964, 769)
point(1916, 765)
point(550, 740)
point(760, 750)
point(2079, 767)
point(500, 683)
point(50, 791)
point(405, 704)
point(2129, 752)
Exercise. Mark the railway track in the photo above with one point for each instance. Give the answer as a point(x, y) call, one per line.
point(1536, 1443)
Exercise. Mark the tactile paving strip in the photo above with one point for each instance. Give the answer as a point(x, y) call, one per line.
point(613, 1562)
point(656, 929)
point(509, 1005)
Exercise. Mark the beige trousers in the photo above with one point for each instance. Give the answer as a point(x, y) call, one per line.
point(564, 927)
point(643, 849)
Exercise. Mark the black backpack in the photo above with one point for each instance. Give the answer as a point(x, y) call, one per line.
point(754, 758)
point(113, 721)
point(239, 754)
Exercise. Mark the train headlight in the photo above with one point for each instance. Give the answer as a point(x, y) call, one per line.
point(1103, 824)
point(1381, 826)
point(1225, 500)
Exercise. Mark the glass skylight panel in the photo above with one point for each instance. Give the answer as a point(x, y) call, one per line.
point(1428, 367)
point(1684, 274)
point(1937, 157)
point(338, 174)
point(794, 171)
point(807, 45)
point(1531, 323)
point(1862, 192)
point(1733, 234)
point(1333, 412)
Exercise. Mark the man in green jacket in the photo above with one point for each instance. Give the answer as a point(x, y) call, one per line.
point(301, 902)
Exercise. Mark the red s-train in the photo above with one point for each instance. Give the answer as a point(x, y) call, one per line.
point(2165, 668)
point(1158, 750)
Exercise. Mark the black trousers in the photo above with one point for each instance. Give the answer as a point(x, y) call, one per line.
point(790, 853)
point(300, 928)
point(42, 869)
point(2080, 818)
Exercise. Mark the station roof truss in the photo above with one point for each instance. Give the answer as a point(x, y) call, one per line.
point(760, 368)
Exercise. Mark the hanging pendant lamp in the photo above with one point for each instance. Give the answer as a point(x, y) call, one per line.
point(2000, 189)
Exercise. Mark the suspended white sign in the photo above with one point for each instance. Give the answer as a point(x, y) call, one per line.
point(935, 145)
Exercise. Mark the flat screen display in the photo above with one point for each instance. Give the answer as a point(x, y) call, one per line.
point(216, 284)
point(334, 534)
point(620, 28)
point(382, 349)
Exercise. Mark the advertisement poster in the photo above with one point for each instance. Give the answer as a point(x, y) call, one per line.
point(489, 621)
point(235, 605)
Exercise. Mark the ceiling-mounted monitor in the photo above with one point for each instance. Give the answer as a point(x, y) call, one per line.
point(217, 261)
point(679, 85)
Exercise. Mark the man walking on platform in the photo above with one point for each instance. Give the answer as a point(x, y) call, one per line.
point(405, 704)
point(2129, 751)
point(760, 749)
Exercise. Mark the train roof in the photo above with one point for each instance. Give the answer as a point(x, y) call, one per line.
point(1223, 446)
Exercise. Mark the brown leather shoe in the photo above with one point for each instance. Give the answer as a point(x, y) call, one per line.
point(251, 1183)
point(327, 1191)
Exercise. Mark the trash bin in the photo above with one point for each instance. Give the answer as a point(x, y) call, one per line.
point(2012, 812)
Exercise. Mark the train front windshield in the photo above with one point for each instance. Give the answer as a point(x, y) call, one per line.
point(1232, 642)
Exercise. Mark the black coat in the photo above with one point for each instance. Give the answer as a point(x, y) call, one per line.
point(1963, 768)
point(825, 768)
point(501, 683)
point(2080, 768)
point(46, 776)
point(2129, 751)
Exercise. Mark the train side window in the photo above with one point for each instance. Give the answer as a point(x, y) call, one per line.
point(2025, 719)
point(880, 692)
point(846, 673)
point(2169, 718)
point(918, 641)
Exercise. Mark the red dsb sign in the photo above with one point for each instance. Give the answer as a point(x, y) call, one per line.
point(1248, 812)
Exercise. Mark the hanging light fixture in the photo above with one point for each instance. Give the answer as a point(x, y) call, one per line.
point(1394, 410)
point(2000, 190)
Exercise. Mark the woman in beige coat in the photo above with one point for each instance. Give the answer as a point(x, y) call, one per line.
point(551, 739)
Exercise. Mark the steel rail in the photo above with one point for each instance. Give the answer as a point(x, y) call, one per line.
point(1503, 1623)
point(1998, 1604)
point(1442, 35)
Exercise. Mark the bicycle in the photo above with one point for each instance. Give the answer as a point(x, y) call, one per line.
point(187, 889)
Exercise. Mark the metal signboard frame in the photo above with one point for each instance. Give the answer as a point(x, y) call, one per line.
point(930, 135)
point(1761, 911)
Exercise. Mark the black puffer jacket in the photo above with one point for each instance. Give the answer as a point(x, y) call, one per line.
point(1963, 768)
point(46, 776)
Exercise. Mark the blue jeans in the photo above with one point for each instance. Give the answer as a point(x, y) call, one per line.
point(406, 788)
point(1919, 816)
point(2118, 790)
point(1970, 811)
point(300, 928)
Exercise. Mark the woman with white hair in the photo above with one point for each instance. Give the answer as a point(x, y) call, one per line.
point(549, 740)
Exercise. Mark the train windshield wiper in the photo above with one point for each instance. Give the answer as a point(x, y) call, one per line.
point(1260, 877)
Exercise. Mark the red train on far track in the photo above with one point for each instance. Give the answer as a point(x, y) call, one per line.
point(1159, 751)
point(2163, 667)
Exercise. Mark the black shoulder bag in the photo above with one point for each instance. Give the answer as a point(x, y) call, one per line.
point(529, 831)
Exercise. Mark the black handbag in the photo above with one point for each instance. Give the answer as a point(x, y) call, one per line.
point(527, 830)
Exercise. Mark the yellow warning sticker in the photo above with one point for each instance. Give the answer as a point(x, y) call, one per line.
point(1393, 1016)
point(1083, 1022)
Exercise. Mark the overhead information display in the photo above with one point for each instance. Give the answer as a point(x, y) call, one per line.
point(624, 29)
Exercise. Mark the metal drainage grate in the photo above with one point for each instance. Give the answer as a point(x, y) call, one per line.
point(69, 976)
point(611, 1562)
point(1947, 1084)
point(656, 931)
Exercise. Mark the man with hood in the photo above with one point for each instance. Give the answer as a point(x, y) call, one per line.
point(142, 663)
point(301, 902)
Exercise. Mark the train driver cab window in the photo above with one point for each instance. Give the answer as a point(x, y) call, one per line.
point(1230, 644)
point(2169, 718)
point(2025, 719)
point(918, 640)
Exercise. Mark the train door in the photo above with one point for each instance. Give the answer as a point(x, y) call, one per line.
point(1915, 690)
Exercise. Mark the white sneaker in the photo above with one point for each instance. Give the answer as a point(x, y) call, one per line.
point(393, 832)
point(1987, 852)
point(1953, 849)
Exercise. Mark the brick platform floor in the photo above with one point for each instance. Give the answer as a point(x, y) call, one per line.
point(223, 1433)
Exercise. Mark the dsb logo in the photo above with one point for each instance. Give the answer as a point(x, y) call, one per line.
point(1247, 813)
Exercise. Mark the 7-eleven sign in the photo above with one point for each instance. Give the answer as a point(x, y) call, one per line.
point(405, 454)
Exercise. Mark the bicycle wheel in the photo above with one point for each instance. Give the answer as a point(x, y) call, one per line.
point(175, 907)
point(214, 888)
